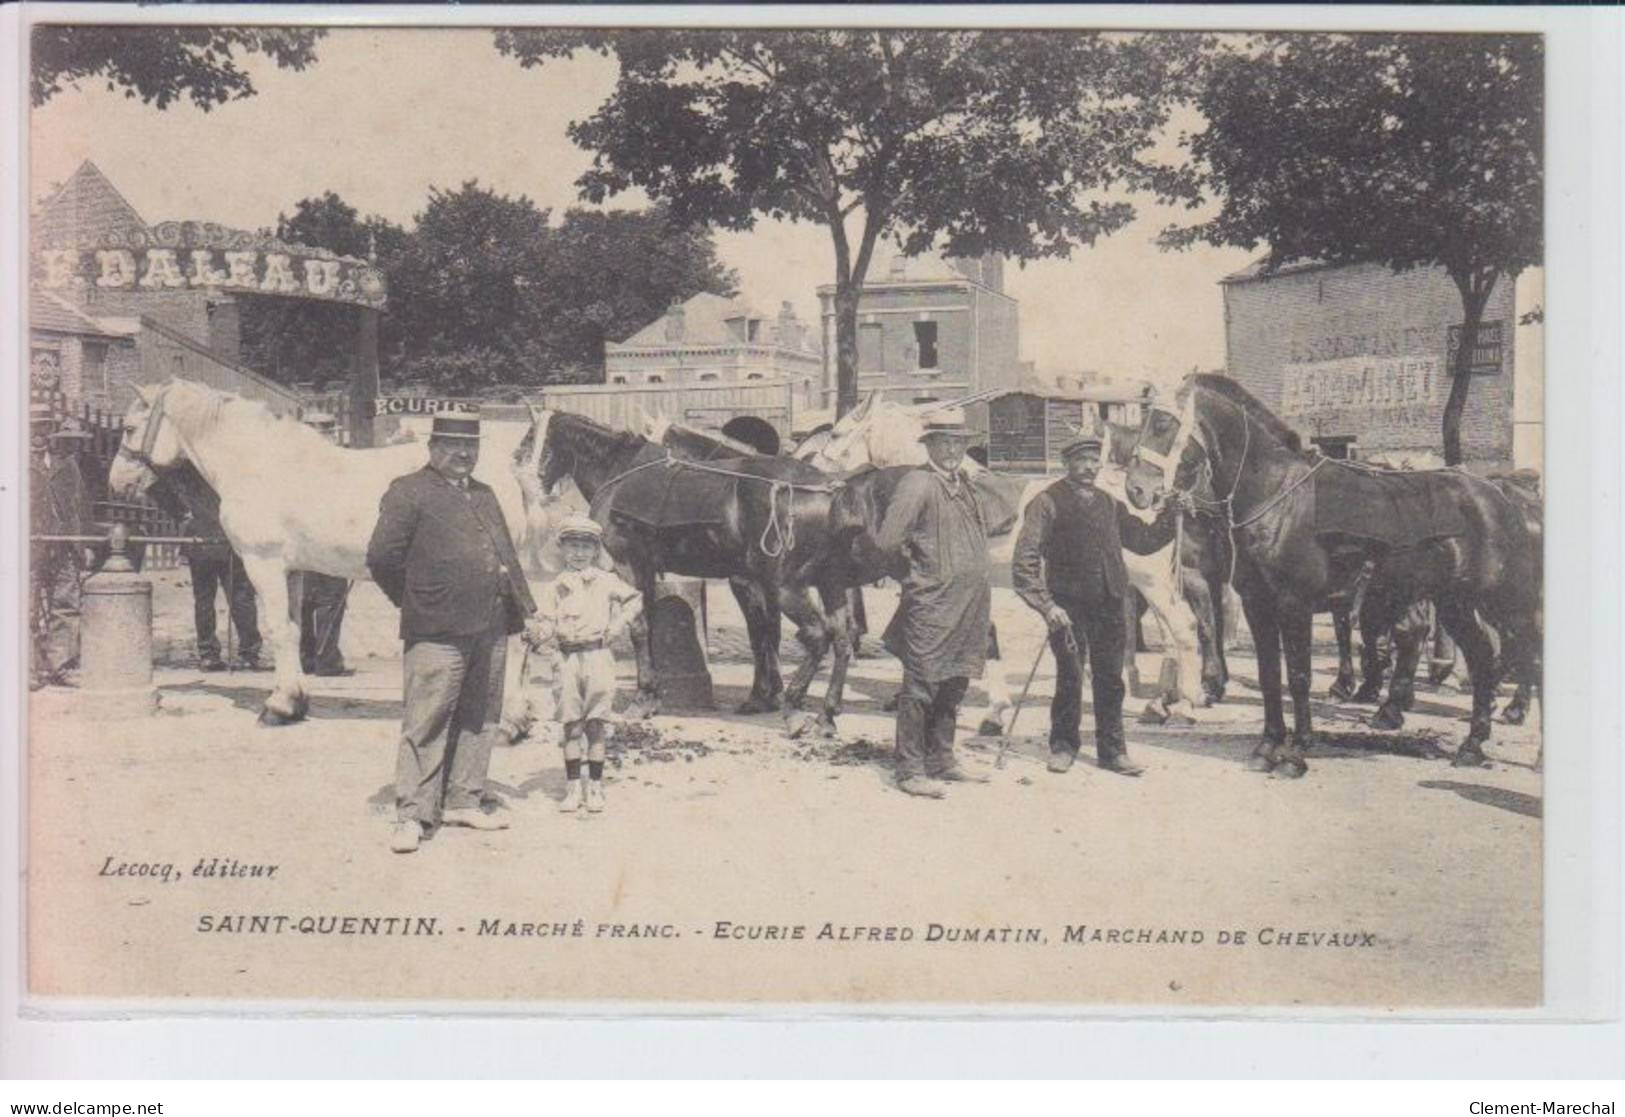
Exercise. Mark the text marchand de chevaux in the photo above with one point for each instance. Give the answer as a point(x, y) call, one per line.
point(725, 931)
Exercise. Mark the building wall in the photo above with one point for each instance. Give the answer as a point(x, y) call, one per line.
point(690, 364)
point(89, 368)
point(976, 340)
point(1359, 351)
point(162, 354)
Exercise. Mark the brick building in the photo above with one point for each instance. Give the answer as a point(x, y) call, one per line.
point(1358, 360)
point(929, 329)
point(713, 340)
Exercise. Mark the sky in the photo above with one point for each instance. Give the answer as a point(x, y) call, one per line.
point(384, 115)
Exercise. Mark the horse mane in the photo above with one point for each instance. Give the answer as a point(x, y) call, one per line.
point(607, 442)
point(1242, 398)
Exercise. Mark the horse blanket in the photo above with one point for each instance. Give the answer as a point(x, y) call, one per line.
point(667, 496)
point(1399, 509)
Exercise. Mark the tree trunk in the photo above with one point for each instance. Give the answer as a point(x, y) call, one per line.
point(1475, 294)
point(846, 347)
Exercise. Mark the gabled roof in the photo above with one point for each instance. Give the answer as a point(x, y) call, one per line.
point(1255, 270)
point(48, 312)
point(705, 323)
point(87, 206)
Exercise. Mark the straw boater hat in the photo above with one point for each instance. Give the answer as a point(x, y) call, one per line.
point(580, 527)
point(948, 423)
point(455, 426)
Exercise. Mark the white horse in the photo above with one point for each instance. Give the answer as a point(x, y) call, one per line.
point(883, 434)
point(289, 498)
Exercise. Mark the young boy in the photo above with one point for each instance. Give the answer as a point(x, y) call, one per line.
point(582, 610)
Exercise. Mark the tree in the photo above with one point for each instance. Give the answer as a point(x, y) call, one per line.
point(965, 142)
point(160, 64)
point(609, 274)
point(1406, 150)
point(303, 339)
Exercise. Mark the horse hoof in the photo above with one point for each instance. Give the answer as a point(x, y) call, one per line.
point(990, 727)
point(1258, 762)
point(1292, 768)
point(1180, 714)
point(272, 718)
point(1341, 690)
point(1388, 716)
point(826, 727)
point(1407, 702)
point(755, 705)
point(1437, 675)
point(1470, 755)
point(1366, 694)
point(1152, 715)
point(1514, 714)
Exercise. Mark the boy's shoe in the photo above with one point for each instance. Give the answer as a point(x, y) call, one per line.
point(595, 796)
point(406, 836)
point(573, 796)
point(473, 818)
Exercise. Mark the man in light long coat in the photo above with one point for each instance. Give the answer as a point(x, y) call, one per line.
point(936, 527)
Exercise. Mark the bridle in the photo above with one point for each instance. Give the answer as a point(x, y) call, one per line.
point(149, 433)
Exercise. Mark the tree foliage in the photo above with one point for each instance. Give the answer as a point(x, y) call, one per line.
point(960, 142)
point(483, 291)
point(306, 340)
point(1406, 150)
point(161, 64)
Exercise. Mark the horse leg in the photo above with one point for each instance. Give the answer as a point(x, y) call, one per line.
point(843, 636)
point(646, 701)
point(1180, 629)
point(751, 607)
point(1409, 636)
point(997, 688)
point(1443, 659)
point(1462, 622)
point(1209, 644)
point(813, 630)
point(288, 701)
point(1343, 625)
point(1375, 619)
point(1297, 628)
point(1266, 629)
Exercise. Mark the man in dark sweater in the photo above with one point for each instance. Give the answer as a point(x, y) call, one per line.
point(442, 553)
point(1068, 565)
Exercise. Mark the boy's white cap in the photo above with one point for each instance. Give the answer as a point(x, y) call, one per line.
point(580, 527)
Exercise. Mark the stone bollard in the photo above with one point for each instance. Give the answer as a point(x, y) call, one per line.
point(676, 621)
point(115, 639)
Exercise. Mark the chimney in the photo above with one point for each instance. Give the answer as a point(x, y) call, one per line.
point(993, 272)
point(225, 329)
point(790, 330)
point(676, 324)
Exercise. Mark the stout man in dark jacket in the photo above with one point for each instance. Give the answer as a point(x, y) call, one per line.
point(443, 555)
point(1068, 565)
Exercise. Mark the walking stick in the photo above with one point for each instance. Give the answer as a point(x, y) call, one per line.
point(1004, 741)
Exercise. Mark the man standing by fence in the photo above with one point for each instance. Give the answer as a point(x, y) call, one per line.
point(442, 553)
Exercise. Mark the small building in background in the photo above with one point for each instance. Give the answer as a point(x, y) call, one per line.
point(710, 339)
point(1359, 360)
point(929, 330)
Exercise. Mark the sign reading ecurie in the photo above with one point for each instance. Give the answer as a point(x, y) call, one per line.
point(423, 405)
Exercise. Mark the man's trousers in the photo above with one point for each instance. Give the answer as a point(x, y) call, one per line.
point(1100, 634)
point(450, 685)
point(226, 574)
point(926, 714)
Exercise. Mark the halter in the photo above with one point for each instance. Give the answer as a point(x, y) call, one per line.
point(149, 435)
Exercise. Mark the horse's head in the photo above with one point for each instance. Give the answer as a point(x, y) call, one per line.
point(554, 456)
point(149, 442)
point(1166, 453)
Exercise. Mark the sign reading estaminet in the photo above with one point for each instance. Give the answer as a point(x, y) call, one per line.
point(1362, 384)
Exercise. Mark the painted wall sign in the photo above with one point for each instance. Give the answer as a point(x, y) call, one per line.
point(187, 255)
point(422, 405)
point(1362, 384)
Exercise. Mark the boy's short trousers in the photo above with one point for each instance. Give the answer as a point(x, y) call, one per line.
point(586, 685)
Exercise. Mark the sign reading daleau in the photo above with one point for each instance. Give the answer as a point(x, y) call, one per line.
point(188, 255)
point(1361, 384)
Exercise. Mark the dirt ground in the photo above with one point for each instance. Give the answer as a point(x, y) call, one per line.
point(1384, 879)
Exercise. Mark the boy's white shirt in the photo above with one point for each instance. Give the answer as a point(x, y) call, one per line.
point(581, 605)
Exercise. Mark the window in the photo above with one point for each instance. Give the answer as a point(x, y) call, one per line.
point(753, 329)
point(871, 347)
point(654, 378)
point(93, 375)
point(177, 364)
point(617, 380)
point(925, 339)
point(753, 376)
point(707, 376)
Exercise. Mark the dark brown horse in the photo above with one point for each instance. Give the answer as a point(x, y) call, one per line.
point(760, 522)
point(1304, 529)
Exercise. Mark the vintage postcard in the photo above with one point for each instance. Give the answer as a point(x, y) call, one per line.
point(856, 516)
